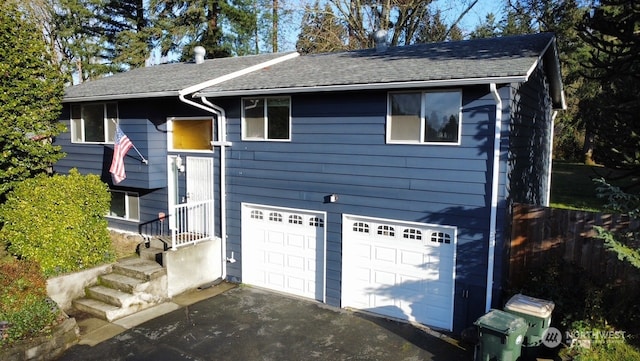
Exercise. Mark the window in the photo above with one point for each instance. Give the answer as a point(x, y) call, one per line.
point(275, 217)
point(386, 231)
point(194, 134)
point(266, 119)
point(361, 227)
point(316, 222)
point(93, 123)
point(412, 233)
point(295, 219)
point(440, 237)
point(256, 214)
point(125, 205)
point(424, 117)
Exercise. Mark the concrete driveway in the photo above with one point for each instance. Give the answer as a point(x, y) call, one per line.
point(245, 323)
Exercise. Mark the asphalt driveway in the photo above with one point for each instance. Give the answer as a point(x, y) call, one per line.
point(245, 323)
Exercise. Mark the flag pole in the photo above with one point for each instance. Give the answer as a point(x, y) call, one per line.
point(144, 160)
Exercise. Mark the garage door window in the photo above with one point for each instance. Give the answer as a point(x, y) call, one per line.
point(386, 231)
point(412, 233)
point(256, 214)
point(440, 237)
point(295, 219)
point(361, 227)
point(316, 222)
point(275, 217)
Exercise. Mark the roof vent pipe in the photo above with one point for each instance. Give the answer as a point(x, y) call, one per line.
point(199, 53)
point(380, 38)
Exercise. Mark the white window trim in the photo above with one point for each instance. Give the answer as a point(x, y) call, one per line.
point(105, 123)
point(127, 211)
point(170, 135)
point(423, 110)
point(265, 122)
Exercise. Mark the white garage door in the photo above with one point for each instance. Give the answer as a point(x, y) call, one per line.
point(399, 269)
point(284, 250)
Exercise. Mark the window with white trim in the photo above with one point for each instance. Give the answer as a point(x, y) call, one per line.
point(385, 230)
point(296, 219)
point(192, 134)
point(93, 122)
point(440, 237)
point(316, 222)
point(125, 205)
point(412, 233)
point(429, 117)
point(275, 217)
point(266, 119)
point(361, 227)
point(255, 214)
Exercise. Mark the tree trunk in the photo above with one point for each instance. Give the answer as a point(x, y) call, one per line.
point(274, 30)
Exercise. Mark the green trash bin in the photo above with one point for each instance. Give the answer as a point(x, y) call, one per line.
point(501, 335)
point(536, 312)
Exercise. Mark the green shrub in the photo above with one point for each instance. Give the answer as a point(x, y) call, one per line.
point(603, 343)
point(24, 306)
point(58, 222)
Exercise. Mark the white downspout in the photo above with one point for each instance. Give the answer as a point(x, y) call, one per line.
point(222, 135)
point(223, 144)
point(547, 200)
point(495, 182)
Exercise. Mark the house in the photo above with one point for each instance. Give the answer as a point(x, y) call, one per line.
point(376, 179)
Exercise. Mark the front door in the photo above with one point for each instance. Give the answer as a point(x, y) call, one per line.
point(199, 179)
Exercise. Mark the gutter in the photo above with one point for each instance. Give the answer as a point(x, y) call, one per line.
point(495, 182)
point(222, 142)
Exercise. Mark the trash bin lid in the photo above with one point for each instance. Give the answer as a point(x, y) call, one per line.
point(530, 306)
point(503, 322)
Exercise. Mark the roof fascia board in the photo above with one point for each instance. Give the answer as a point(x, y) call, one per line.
point(235, 74)
point(97, 98)
point(372, 86)
point(550, 53)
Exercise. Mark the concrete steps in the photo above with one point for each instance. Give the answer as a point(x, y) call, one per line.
point(133, 285)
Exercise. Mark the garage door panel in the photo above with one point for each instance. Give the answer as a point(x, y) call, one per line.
point(382, 278)
point(283, 249)
point(275, 238)
point(295, 262)
point(387, 255)
point(409, 275)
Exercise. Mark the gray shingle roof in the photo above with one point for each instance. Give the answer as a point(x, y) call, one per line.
point(161, 80)
point(507, 57)
point(503, 59)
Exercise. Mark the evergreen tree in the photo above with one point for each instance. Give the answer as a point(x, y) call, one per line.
point(487, 29)
point(433, 29)
point(612, 29)
point(31, 89)
point(222, 27)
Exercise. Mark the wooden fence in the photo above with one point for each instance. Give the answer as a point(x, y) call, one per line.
point(540, 235)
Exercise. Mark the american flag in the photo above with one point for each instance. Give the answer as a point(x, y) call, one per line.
point(120, 148)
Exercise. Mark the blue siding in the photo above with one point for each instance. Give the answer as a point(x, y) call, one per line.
point(144, 122)
point(338, 146)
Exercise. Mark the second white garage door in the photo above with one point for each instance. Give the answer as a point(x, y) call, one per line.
point(404, 270)
point(283, 249)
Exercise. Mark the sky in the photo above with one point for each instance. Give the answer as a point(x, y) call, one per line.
point(450, 8)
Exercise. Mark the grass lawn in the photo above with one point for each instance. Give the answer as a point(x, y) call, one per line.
point(572, 186)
